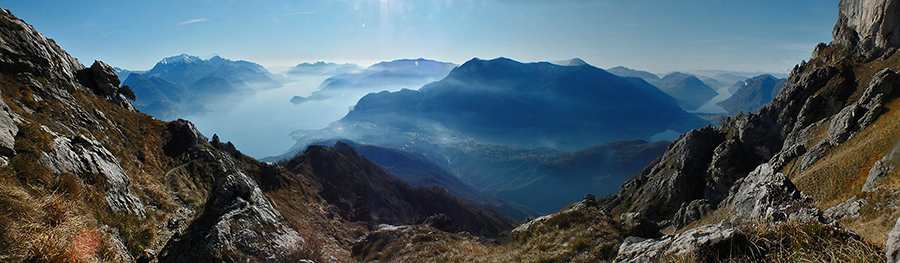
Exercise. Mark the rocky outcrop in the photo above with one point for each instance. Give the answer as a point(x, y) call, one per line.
point(639, 250)
point(677, 179)
point(892, 246)
point(870, 24)
point(8, 129)
point(847, 209)
point(238, 223)
point(24, 50)
point(184, 138)
point(86, 157)
point(881, 169)
point(106, 80)
point(26, 53)
point(863, 113)
point(767, 196)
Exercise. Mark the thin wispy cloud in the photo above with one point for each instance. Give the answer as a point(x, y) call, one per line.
point(193, 21)
point(297, 13)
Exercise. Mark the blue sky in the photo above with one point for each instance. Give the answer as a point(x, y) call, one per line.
point(658, 36)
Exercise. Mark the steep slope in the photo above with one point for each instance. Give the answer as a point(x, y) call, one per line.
point(86, 178)
point(752, 94)
point(363, 191)
point(809, 158)
point(184, 85)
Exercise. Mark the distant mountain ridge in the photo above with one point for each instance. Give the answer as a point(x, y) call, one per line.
point(323, 68)
point(687, 89)
point(752, 94)
point(184, 85)
point(385, 75)
point(507, 102)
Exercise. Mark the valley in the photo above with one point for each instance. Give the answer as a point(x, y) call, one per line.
point(421, 160)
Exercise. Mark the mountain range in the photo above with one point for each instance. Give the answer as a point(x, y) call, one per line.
point(752, 94)
point(323, 68)
point(385, 75)
point(184, 85)
point(502, 101)
point(687, 89)
point(811, 177)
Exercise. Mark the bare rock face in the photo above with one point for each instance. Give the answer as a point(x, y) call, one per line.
point(871, 24)
point(690, 212)
point(881, 169)
point(639, 250)
point(238, 222)
point(892, 246)
point(26, 53)
point(105, 78)
point(767, 196)
point(81, 155)
point(8, 129)
point(24, 50)
point(678, 177)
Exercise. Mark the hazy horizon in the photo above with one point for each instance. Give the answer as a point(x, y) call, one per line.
point(656, 36)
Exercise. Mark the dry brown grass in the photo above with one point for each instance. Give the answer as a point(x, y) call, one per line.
point(841, 174)
point(576, 235)
point(786, 242)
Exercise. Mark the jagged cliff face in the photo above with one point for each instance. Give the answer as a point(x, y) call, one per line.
point(872, 24)
point(817, 154)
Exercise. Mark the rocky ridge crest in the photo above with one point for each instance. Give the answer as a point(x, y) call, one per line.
point(745, 169)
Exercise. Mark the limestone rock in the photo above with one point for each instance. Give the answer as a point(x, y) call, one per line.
point(82, 155)
point(8, 129)
point(690, 212)
point(881, 169)
point(238, 222)
point(765, 195)
point(106, 80)
point(24, 50)
point(636, 249)
point(642, 250)
point(184, 136)
point(868, 23)
point(849, 208)
point(892, 246)
point(678, 177)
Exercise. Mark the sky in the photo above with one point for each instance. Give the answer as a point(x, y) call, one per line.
point(657, 36)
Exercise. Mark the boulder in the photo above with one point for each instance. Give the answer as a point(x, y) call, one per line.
point(238, 222)
point(765, 195)
point(106, 81)
point(183, 136)
point(847, 209)
point(636, 249)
